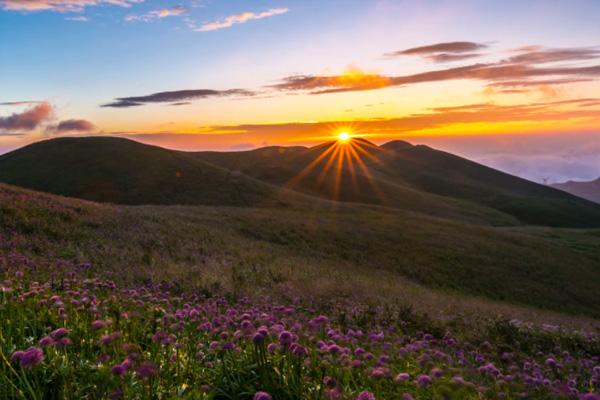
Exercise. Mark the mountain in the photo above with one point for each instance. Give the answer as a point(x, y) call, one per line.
point(122, 171)
point(396, 175)
point(401, 175)
point(587, 190)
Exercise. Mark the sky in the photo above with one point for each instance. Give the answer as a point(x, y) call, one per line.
point(511, 84)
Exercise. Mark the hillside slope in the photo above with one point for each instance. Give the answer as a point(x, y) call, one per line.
point(399, 174)
point(351, 250)
point(126, 172)
point(587, 190)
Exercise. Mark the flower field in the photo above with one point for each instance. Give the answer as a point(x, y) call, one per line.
point(69, 333)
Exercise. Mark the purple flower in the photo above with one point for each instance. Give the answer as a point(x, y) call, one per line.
point(118, 370)
point(402, 377)
point(365, 396)
point(63, 342)
point(262, 396)
point(589, 396)
point(46, 341)
point(28, 358)
point(258, 338)
point(59, 333)
point(329, 382)
point(437, 373)
point(146, 369)
point(285, 338)
point(98, 324)
point(272, 348)
point(407, 396)
point(423, 380)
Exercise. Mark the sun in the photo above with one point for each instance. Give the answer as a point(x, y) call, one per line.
point(344, 137)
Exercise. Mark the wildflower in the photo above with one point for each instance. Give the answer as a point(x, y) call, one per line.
point(365, 396)
point(589, 396)
point(63, 342)
point(46, 341)
point(258, 338)
point(437, 373)
point(59, 333)
point(424, 380)
point(118, 370)
point(272, 348)
point(262, 396)
point(298, 350)
point(402, 377)
point(146, 369)
point(332, 394)
point(97, 325)
point(551, 362)
point(28, 358)
point(407, 396)
point(285, 338)
point(329, 382)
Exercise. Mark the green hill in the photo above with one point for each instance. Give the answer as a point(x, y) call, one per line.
point(397, 175)
point(330, 251)
point(419, 178)
point(122, 171)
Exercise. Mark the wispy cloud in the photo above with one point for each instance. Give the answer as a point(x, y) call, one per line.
point(158, 14)
point(20, 103)
point(61, 5)
point(540, 55)
point(27, 120)
point(177, 97)
point(231, 20)
point(443, 52)
point(80, 18)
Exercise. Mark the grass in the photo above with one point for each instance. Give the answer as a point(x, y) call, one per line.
point(69, 333)
point(327, 252)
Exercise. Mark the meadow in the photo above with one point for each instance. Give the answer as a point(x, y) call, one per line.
point(69, 334)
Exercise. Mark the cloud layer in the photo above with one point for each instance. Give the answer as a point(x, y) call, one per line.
point(528, 65)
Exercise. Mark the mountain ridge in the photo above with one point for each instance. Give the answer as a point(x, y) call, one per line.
point(396, 174)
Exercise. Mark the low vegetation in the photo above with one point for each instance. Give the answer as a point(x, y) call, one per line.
point(70, 334)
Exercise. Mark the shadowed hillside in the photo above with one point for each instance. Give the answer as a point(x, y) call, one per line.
point(587, 190)
point(126, 172)
point(396, 175)
point(401, 175)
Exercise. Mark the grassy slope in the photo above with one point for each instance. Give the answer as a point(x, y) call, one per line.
point(417, 178)
point(320, 251)
point(126, 172)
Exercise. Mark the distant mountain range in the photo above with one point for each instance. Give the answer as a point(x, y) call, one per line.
point(396, 174)
point(587, 190)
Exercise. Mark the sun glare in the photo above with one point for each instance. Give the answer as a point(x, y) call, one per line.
point(344, 137)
